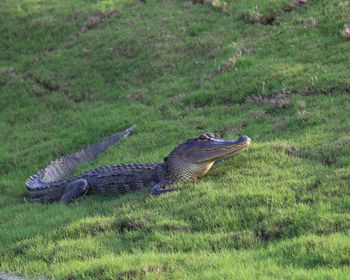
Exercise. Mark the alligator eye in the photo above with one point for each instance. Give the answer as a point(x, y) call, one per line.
point(203, 137)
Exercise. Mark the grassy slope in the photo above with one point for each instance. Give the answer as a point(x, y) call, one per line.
point(72, 72)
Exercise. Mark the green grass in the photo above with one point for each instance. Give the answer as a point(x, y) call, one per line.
point(72, 72)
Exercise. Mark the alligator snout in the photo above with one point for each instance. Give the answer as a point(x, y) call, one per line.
point(244, 139)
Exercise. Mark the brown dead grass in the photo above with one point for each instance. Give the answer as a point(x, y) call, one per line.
point(216, 4)
point(308, 23)
point(276, 100)
point(138, 95)
point(43, 86)
point(258, 115)
point(271, 16)
point(97, 19)
point(223, 68)
point(8, 74)
point(142, 273)
point(346, 32)
point(130, 225)
point(300, 2)
point(257, 17)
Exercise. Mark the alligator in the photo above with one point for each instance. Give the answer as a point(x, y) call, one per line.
point(186, 162)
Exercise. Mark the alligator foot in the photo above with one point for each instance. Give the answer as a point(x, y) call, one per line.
point(157, 190)
point(74, 190)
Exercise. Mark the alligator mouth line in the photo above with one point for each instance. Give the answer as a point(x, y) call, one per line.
point(236, 147)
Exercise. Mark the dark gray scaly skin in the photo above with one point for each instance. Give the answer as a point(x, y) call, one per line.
point(186, 162)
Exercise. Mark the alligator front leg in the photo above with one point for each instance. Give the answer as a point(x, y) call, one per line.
point(74, 190)
point(157, 189)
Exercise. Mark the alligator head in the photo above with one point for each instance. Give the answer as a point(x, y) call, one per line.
point(196, 156)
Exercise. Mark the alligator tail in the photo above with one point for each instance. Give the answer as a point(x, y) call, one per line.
point(62, 167)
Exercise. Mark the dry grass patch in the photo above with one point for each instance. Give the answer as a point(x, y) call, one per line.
point(130, 225)
point(279, 100)
point(271, 16)
point(308, 23)
point(257, 17)
point(142, 273)
point(228, 65)
point(346, 32)
point(216, 4)
point(97, 19)
point(138, 95)
point(300, 2)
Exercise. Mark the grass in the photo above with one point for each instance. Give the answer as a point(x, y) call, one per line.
point(72, 72)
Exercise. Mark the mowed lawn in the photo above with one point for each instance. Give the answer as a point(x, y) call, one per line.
point(74, 71)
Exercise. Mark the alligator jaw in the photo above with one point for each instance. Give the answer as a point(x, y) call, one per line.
point(227, 148)
point(206, 148)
